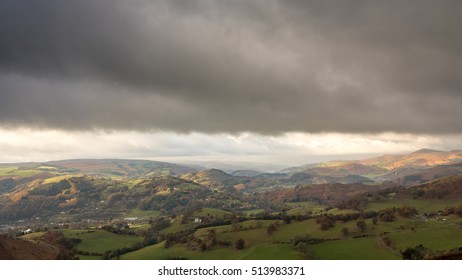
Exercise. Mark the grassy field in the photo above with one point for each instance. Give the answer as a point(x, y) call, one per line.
point(211, 212)
point(252, 224)
point(137, 213)
point(259, 252)
point(305, 207)
point(261, 245)
point(422, 205)
point(442, 236)
point(58, 179)
point(177, 226)
point(367, 248)
point(32, 236)
point(100, 241)
point(253, 211)
point(15, 171)
point(436, 234)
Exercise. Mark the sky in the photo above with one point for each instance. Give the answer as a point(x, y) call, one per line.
point(287, 82)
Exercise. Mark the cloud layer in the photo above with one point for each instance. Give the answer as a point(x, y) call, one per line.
point(23, 145)
point(231, 66)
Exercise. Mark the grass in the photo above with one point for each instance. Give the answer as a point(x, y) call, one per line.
point(15, 171)
point(58, 179)
point(32, 236)
point(140, 227)
point(134, 182)
point(259, 252)
point(253, 211)
point(367, 248)
point(153, 252)
point(138, 213)
point(445, 237)
point(211, 212)
point(434, 234)
point(422, 205)
point(177, 226)
point(286, 232)
point(336, 211)
point(100, 241)
point(247, 225)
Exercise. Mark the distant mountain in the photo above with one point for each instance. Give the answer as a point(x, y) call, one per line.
point(231, 166)
point(213, 178)
point(337, 169)
point(409, 169)
point(414, 176)
point(422, 158)
point(246, 173)
point(449, 187)
point(119, 167)
point(329, 194)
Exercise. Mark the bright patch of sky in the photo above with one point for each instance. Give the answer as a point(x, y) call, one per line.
point(25, 144)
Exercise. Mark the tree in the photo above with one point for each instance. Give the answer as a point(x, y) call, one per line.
point(203, 247)
point(211, 237)
point(235, 225)
point(325, 222)
point(416, 253)
point(387, 215)
point(361, 225)
point(406, 211)
point(271, 228)
point(240, 243)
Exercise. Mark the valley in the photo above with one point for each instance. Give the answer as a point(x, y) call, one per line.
point(389, 207)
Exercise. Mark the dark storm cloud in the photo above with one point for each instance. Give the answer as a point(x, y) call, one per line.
point(230, 66)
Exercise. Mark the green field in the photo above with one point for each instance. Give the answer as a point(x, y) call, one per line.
point(211, 212)
point(438, 234)
point(422, 205)
point(445, 237)
point(177, 226)
point(247, 225)
point(100, 241)
point(367, 248)
point(259, 252)
point(305, 207)
point(137, 213)
point(16, 171)
point(58, 179)
point(253, 212)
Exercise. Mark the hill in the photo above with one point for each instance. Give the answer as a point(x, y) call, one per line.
point(337, 169)
point(120, 167)
point(413, 176)
point(408, 169)
point(15, 249)
point(74, 198)
point(449, 187)
point(246, 173)
point(420, 158)
point(49, 246)
point(214, 178)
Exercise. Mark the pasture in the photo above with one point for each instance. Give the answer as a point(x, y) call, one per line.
point(100, 241)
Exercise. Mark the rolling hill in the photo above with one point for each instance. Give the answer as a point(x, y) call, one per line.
point(409, 169)
point(422, 158)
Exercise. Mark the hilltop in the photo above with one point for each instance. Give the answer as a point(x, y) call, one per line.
point(407, 169)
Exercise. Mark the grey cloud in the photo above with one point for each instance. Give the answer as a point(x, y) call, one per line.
point(232, 66)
